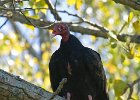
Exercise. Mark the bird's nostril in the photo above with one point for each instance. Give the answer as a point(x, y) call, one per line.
point(54, 32)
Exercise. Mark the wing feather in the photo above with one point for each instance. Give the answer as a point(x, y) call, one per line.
point(93, 64)
point(54, 74)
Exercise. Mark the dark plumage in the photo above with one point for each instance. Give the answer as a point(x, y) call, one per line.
point(82, 67)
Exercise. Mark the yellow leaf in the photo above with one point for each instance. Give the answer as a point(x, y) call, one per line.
point(35, 60)
point(47, 81)
point(17, 49)
point(17, 61)
point(71, 2)
point(43, 47)
point(78, 4)
point(30, 26)
point(126, 62)
point(43, 11)
point(130, 17)
point(136, 26)
point(38, 75)
point(46, 84)
point(38, 0)
point(35, 16)
point(5, 49)
point(137, 57)
point(45, 56)
point(93, 38)
point(111, 67)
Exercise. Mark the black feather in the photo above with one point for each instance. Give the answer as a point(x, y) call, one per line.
point(86, 76)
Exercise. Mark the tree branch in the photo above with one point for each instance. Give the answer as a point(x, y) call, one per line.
point(131, 3)
point(76, 28)
point(84, 20)
point(53, 10)
point(132, 38)
point(13, 87)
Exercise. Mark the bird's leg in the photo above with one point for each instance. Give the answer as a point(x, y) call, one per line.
point(89, 97)
point(68, 96)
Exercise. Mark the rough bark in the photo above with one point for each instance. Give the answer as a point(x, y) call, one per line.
point(135, 4)
point(14, 88)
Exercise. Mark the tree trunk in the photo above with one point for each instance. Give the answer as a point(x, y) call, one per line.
point(14, 88)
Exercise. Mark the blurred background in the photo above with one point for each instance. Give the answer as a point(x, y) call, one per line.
point(25, 50)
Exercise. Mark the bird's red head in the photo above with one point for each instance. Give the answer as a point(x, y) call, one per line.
point(62, 30)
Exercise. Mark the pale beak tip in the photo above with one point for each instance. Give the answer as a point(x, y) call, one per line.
point(52, 35)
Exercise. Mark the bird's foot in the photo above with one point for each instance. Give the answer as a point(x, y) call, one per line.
point(68, 96)
point(89, 97)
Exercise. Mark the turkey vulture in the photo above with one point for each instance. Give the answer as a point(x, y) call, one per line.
point(81, 66)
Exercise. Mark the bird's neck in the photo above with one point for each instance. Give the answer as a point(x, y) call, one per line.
point(71, 43)
point(65, 37)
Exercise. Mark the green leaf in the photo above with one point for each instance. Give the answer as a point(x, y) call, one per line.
point(113, 45)
point(119, 98)
point(136, 26)
point(122, 58)
point(119, 87)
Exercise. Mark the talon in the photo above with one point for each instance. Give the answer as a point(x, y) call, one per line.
point(89, 97)
point(68, 96)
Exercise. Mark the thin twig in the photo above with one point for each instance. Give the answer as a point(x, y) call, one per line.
point(34, 8)
point(83, 20)
point(13, 4)
point(131, 86)
point(55, 4)
point(21, 9)
point(44, 27)
point(59, 88)
point(53, 10)
point(4, 23)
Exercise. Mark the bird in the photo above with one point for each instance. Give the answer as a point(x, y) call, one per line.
point(82, 66)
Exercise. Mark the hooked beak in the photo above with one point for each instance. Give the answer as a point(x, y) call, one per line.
point(52, 35)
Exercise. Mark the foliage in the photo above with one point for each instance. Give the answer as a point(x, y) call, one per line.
point(25, 50)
